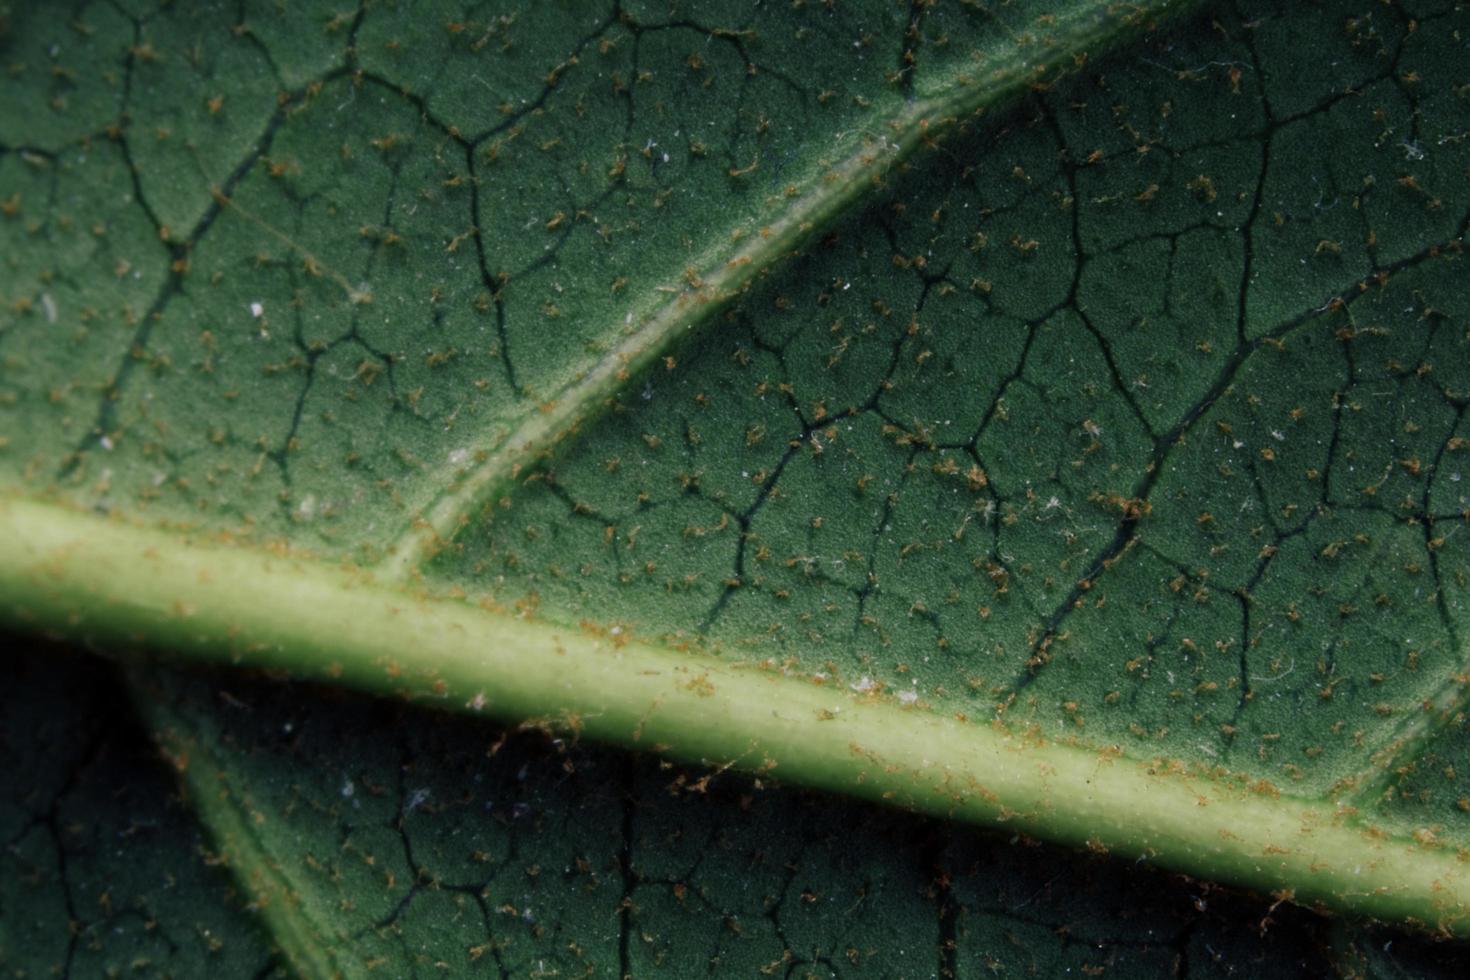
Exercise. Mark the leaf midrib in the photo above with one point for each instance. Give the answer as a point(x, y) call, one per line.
point(109, 581)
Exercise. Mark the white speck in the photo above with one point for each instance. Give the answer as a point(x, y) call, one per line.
point(1278, 435)
point(257, 309)
point(666, 158)
point(416, 799)
point(476, 703)
point(459, 456)
point(347, 788)
point(908, 697)
point(615, 631)
point(106, 443)
point(864, 684)
point(627, 319)
point(307, 508)
point(48, 306)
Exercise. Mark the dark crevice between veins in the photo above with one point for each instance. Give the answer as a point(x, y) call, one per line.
point(353, 335)
point(908, 56)
point(1079, 263)
point(279, 455)
point(125, 100)
point(99, 739)
point(489, 281)
point(492, 282)
point(242, 30)
point(773, 915)
point(1245, 596)
point(870, 577)
point(946, 908)
point(746, 518)
point(399, 827)
point(1430, 545)
point(173, 285)
point(629, 875)
point(1444, 715)
point(1127, 528)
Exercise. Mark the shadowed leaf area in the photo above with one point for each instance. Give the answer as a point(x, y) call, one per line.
point(1096, 377)
point(419, 844)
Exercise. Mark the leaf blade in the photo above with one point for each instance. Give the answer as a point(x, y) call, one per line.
point(196, 597)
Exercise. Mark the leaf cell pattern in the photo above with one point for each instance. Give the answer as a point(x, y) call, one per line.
point(1135, 415)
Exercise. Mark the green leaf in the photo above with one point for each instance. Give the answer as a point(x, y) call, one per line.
point(894, 401)
point(437, 839)
point(104, 874)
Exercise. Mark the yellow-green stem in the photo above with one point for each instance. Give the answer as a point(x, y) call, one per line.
point(85, 576)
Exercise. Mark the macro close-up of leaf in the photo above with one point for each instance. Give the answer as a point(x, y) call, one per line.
point(947, 488)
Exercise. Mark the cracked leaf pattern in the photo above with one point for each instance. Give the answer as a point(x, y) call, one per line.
point(1125, 421)
point(294, 305)
point(1134, 415)
point(102, 872)
point(444, 844)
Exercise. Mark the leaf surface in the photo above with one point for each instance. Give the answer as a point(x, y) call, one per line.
point(102, 871)
point(886, 366)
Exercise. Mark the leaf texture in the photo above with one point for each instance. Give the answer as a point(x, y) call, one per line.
point(920, 371)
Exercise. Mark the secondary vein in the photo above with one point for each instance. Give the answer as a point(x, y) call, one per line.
point(728, 268)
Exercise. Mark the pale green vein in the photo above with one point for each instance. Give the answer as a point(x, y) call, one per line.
point(104, 580)
point(1436, 712)
point(242, 840)
point(727, 268)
